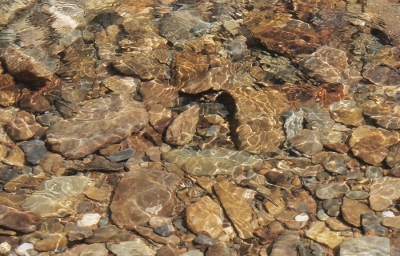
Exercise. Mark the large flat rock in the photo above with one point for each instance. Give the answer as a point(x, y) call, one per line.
point(97, 124)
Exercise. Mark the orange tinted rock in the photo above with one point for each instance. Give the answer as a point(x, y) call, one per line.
point(25, 222)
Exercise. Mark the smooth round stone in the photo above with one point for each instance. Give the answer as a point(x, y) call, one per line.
point(89, 219)
point(205, 240)
point(22, 249)
point(302, 217)
point(5, 248)
point(322, 215)
point(104, 221)
point(357, 194)
point(162, 230)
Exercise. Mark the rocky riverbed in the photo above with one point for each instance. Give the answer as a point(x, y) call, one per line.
point(210, 127)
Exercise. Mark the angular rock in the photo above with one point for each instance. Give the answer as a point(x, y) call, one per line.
point(182, 129)
point(386, 115)
point(213, 161)
point(346, 112)
point(293, 122)
point(320, 233)
point(205, 215)
point(236, 207)
point(120, 84)
point(332, 190)
point(372, 144)
point(307, 141)
point(150, 234)
point(15, 157)
point(383, 193)
point(23, 127)
point(392, 222)
point(25, 222)
point(51, 243)
point(99, 123)
point(365, 246)
point(156, 92)
point(382, 76)
point(352, 211)
point(135, 248)
point(146, 192)
point(78, 233)
point(286, 244)
point(94, 249)
point(336, 225)
point(34, 150)
point(49, 200)
point(205, 240)
point(372, 225)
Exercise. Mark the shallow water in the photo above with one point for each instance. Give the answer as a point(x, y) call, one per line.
point(274, 123)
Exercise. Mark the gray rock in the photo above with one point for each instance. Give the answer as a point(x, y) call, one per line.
point(122, 155)
point(205, 240)
point(286, 244)
point(372, 224)
point(365, 246)
point(162, 230)
point(34, 151)
point(293, 122)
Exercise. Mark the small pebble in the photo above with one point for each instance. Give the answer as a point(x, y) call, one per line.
point(388, 214)
point(322, 215)
point(302, 217)
point(22, 249)
point(162, 230)
point(205, 240)
point(4, 248)
point(89, 219)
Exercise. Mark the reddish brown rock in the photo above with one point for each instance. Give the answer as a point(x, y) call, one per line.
point(145, 192)
point(8, 91)
point(12, 200)
point(33, 101)
point(15, 157)
point(97, 124)
point(13, 219)
point(51, 243)
point(383, 193)
point(182, 129)
point(352, 211)
point(157, 92)
point(23, 127)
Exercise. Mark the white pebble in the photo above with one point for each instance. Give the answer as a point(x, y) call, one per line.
point(22, 249)
point(5, 248)
point(89, 219)
point(301, 217)
point(387, 214)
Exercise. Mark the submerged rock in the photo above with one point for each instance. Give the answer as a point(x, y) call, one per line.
point(365, 246)
point(97, 124)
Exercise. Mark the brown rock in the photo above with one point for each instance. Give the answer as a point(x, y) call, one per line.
point(382, 76)
point(352, 211)
point(23, 127)
point(182, 129)
point(25, 222)
point(16, 183)
point(346, 112)
point(167, 251)
point(219, 249)
point(307, 141)
point(373, 147)
point(146, 192)
point(393, 222)
point(303, 203)
point(383, 192)
point(8, 91)
point(117, 116)
point(286, 244)
point(114, 148)
point(15, 157)
point(51, 243)
point(320, 233)
point(101, 194)
point(33, 101)
point(236, 207)
point(386, 115)
point(108, 233)
point(205, 215)
point(12, 200)
point(156, 92)
point(336, 225)
point(148, 233)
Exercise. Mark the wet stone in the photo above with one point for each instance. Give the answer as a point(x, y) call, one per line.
point(34, 150)
point(205, 240)
point(364, 246)
point(109, 233)
point(79, 233)
point(23, 127)
point(96, 248)
point(332, 190)
point(51, 243)
point(148, 233)
point(121, 155)
point(336, 225)
point(357, 194)
point(213, 161)
point(394, 155)
point(285, 244)
point(146, 195)
point(352, 210)
point(115, 118)
point(50, 199)
point(346, 112)
point(386, 115)
point(219, 249)
point(162, 230)
point(119, 84)
point(236, 207)
point(381, 75)
point(167, 251)
point(322, 234)
point(372, 225)
point(335, 164)
point(137, 247)
point(392, 222)
point(205, 215)
point(383, 192)
point(182, 129)
point(293, 122)
point(307, 142)
point(8, 90)
point(15, 157)
point(25, 222)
